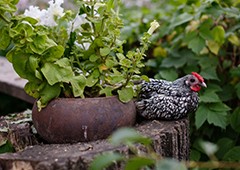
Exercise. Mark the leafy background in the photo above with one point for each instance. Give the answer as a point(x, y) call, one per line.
point(201, 36)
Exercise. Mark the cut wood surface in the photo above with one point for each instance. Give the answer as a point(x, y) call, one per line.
point(170, 139)
point(11, 83)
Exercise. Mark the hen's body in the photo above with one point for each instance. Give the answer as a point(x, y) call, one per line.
point(161, 99)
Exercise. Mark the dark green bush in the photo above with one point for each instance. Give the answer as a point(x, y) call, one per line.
point(201, 36)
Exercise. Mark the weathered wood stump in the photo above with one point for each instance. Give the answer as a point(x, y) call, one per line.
point(170, 139)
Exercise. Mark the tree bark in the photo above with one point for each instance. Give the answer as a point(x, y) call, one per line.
point(170, 139)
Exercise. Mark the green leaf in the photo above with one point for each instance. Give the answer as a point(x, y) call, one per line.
point(238, 90)
point(5, 39)
point(107, 91)
point(53, 53)
point(196, 44)
point(209, 97)
point(64, 62)
point(41, 44)
point(234, 39)
point(120, 56)
point(33, 63)
point(21, 32)
point(170, 164)
point(201, 116)
point(235, 120)
point(104, 51)
point(93, 78)
point(190, 36)
point(60, 71)
point(48, 93)
point(180, 19)
point(213, 46)
point(205, 29)
point(7, 147)
point(209, 73)
point(145, 78)
point(207, 62)
point(235, 72)
point(21, 65)
point(110, 5)
point(169, 74)
point(126, 63)
point(219, 107)
point(137, 163)
point(78, 84)
point(128, 135)
point(115, 79)
point(31, 89)
point(195, 155)
point(218, 33)
point(213, 87)
point(93, 57)
point(104, 160)
point(125, 94)
point(218, 119)
point(233, 154)
point(110, 63)
point(224, 145)
point(91, 81)
point(176, 62)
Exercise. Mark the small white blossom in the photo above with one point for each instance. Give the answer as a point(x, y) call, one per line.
point(77, 22)
point(154, 26)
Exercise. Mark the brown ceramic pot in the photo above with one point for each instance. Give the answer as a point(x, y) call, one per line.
point(69, 120)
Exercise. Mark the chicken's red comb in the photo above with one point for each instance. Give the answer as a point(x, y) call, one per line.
point(198, 76)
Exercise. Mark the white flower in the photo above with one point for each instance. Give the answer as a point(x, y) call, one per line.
point(55, 8)
point(77, 22)
point(46, 17)
point(154, 26)
point(34, 12)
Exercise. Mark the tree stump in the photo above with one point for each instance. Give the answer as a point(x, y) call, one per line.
point(170, 139)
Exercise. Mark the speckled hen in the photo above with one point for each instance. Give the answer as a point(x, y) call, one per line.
point(161, 99)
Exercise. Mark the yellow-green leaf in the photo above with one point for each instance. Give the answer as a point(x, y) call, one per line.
point(234, 40)
point(218, 33)
point(125, 94)
point(213, 46)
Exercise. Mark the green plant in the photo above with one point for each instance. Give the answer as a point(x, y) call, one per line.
point(71, 53)
point(200, 36)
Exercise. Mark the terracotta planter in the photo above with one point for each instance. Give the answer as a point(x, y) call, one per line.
point(69, 120)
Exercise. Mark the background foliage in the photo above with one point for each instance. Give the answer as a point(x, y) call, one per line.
point(201, 36)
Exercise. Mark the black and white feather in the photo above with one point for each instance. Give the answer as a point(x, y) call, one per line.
point(161, 99)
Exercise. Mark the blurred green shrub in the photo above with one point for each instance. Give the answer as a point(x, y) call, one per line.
point(201, 36)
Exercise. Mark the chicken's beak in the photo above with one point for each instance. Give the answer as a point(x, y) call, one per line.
point(203, 84)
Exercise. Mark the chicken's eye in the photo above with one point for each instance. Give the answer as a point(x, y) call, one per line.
point(192, 80)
